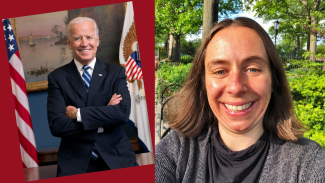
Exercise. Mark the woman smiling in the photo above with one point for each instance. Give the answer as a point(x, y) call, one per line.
point(234, 119)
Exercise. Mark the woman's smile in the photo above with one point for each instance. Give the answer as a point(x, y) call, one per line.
point(238, 110)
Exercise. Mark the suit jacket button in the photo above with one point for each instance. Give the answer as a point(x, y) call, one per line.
point(89, 153)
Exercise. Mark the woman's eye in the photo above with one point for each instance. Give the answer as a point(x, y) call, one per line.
point(252, 70)
point(220, 72)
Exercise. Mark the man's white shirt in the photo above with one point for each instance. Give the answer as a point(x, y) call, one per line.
point(90, 71)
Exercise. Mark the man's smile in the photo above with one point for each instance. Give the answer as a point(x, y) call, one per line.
point(84, 50)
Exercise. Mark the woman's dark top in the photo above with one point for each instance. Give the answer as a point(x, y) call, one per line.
point(182, 160)
point(224, 165)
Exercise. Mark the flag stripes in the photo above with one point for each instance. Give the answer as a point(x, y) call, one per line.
point(17, 71)
point(133, 71)
point(25, 132)
point(16, 63)
point(18, 86)
point(25, 129)
point(22, 112)
point(27, 160)
point(20, 95)
point(27, 146)
point(17, 79)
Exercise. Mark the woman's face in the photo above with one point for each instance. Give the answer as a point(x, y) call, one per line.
point(238, 79)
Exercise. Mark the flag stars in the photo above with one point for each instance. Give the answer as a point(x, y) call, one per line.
point(4, 28)
point(9, 27)
point(11, 37)
point(11, 47)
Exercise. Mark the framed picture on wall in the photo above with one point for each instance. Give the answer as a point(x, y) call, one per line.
point(43, 43)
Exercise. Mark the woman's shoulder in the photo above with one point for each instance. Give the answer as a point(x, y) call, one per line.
point(169, 143)
point(177, 155)
point(302, 160)
point(302, 145)
point(309, 150)
point(303, 148)
point(174, 140)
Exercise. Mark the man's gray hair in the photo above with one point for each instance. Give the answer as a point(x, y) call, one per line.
point(78, 20)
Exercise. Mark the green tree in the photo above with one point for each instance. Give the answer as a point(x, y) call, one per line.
point(321, 48)
point(191, 45)
point(184, 17)
point(293, 39)
point(160, 40)
point(212, 9)
point(304, 15)
point(176, 18)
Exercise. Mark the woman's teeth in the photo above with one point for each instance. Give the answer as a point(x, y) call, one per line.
point(239, 107)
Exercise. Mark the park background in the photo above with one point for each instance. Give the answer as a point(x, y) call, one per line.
point(300, 41)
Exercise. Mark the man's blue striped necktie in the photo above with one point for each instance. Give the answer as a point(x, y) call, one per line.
point(86, 78)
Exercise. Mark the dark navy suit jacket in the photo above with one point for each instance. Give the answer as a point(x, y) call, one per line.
point(78, 138)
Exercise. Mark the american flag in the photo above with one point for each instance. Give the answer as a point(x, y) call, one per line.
point(133, 70)
point(18, 86)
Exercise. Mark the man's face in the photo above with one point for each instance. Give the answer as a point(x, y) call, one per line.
point(83, 42)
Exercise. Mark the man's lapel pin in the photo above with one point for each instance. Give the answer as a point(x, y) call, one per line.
point(99, 74)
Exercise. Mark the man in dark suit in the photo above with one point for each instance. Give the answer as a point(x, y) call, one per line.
point(88, 102)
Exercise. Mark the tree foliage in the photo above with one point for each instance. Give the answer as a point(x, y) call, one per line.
point(171, 74)
point(178, 17)
point(160, 40)
point(298, 18)
point(56, 30)
point(321, 48)
point(183, 17)
point(293, 39)
point(228, 7)
point(190, 45)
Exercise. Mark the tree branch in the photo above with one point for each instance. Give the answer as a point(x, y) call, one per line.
point(316, 4)
point(305, 3)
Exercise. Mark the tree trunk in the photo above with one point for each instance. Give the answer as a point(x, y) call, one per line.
point(298, 46)
point(308, 35)
point(176, 52)
point(313, 37)
point(308, 41)
point(170, 47)
point(166, 45)
point(210, 16)
point(301, 44)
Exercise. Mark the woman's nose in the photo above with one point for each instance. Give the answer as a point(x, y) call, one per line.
point(236, 83)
